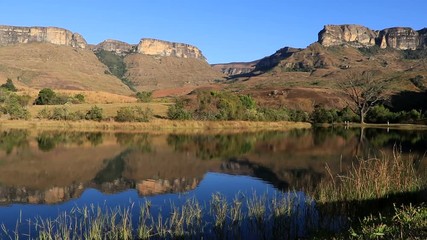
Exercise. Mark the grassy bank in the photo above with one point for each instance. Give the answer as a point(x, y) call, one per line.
point(155, 125)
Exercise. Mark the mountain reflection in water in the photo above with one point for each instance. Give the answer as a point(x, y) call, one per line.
point(54, 167)
point(42, 174)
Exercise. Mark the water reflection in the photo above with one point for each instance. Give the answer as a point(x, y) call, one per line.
point(54, 167)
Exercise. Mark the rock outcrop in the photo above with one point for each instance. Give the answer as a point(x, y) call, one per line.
point(163, 48)
point(355, 35)
point(118, 47)
point(401, 38)
point(10, 35)
point(233, 69)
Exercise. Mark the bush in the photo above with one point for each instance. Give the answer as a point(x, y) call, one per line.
point(9, 85)
point(14, 105)
point(272, 114)
point(144, 96)
point(80, 98)
point(133, 114)
point(46, 97)
point(178, 112)
point(77, 115)
point(60, 113)
point(95, 113)
point(45, 113)
point(322, 115)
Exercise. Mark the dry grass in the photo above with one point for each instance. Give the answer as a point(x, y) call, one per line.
point(42, 65)
point(155, 125)
point(93, 97)
point(372, 178)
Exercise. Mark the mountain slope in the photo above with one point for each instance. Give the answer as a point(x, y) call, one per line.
point(155, 72)
point(39, 65)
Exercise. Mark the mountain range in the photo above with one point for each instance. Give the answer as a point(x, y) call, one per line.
point(38, 57)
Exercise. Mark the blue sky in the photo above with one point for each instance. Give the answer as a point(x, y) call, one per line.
point(225, 30)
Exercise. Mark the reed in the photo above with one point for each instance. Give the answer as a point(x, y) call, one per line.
point(220, 218)
point(372, 178)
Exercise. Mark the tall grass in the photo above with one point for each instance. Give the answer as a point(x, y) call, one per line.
point(372, 178)
point(220, 218)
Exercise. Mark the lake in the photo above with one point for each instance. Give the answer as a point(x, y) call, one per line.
point(46, 173)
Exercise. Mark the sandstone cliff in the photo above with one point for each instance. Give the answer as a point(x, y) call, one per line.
point(163, 48)
point(118, 47)
point(401, 38)
point(10, 35)
point(235, 68)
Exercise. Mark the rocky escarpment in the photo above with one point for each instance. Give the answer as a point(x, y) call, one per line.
point(156, 47)
point(401, 38)
point(118, 47)
point(231, 69)
point(10, 35)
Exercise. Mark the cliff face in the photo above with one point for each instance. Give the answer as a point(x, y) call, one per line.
point(360, 36)
point(164, 48)
point(355, 35)
point(231, 69)
point(10, 35)
point(118, 47)
point(399, 38)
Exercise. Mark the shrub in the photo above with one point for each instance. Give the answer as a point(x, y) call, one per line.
point(46, 96)
point(272, 114)
point(144, 96)
point(95, 113)
point(9, 85)
point(60, 113)
point(45, 113)
point(77, 115)
point(322, 115)
point(133, 114)
point(80, 98)
point(14, 107)
point(178, 112)
point(380, 114)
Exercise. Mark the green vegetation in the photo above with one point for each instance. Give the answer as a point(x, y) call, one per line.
point(144, 96)
point(377, 114)
point(47, 96)
point(223, 106)
point(414, 54)
point(408, 222)
point(364, 91)
point(9, 86)
point(95, 114)
point(13, 105)
point(116, 66)
point(133, 114)
point(372, 178)
point(370, 51)
point(418, 82)
point(64, 113)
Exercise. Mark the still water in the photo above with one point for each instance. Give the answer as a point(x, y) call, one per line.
point(45, 173)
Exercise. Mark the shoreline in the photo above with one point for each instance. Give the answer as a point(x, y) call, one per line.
point(155, 125)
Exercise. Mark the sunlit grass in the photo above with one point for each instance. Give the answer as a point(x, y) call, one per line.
point(372, 178)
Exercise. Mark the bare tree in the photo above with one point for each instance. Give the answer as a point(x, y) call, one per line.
point(364, 92)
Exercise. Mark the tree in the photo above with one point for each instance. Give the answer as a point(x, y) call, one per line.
point(46, 96)
point(364, 92)
point(9, 85)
